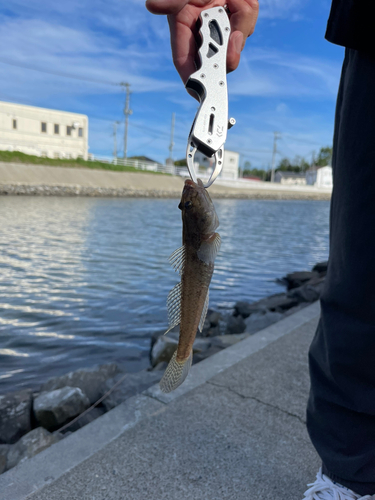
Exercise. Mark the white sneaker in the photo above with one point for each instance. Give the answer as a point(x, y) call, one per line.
point(326, 489)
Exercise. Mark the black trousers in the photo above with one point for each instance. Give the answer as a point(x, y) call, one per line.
point(341, 407)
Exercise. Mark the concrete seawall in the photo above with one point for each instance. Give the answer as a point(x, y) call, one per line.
point(25, 179)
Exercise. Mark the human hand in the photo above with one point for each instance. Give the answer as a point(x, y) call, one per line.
point(182, 18)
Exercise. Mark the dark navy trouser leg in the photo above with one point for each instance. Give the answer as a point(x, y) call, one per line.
point(341, 407)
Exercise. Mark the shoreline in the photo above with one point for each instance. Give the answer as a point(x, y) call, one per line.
point(38, 180)
point(99, 192)
point(77, 398)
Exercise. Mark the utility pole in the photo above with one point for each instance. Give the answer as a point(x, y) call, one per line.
point(313, 159)
point(276, 136)
point(115, 141)
point(171, 144)
point(127, 113)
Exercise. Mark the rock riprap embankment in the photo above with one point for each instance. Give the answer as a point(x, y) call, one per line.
point(30, 422)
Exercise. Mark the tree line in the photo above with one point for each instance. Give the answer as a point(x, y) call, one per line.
point(298, 165)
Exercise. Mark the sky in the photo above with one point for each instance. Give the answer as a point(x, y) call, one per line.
point(73, 55)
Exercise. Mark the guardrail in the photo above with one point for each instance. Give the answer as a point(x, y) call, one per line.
point(138, 164)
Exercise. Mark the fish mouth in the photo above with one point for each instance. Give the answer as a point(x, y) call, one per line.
point(189, 183)
point(192, 184)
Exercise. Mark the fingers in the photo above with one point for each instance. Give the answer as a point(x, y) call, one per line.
point(182, 15)
point(165, 6)
point(183, 48)
point(173, 6)
point(235, 46)
point(243, 16)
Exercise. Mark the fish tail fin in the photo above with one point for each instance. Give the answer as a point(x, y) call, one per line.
point(175, 373)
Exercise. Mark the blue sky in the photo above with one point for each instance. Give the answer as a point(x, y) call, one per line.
point(287, 79)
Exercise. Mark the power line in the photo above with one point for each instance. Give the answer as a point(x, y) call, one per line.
point(298, 139)
point(268, 151)
point(57, 73)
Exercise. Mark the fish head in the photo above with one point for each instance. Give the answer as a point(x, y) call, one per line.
point(198, 211)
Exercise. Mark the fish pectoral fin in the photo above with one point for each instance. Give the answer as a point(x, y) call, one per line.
point(175, 373)
point(174, 306)
point(204, 312)
point(177, 259)
point(209, 249)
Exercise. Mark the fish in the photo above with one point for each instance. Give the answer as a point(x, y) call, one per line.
point(187, 302)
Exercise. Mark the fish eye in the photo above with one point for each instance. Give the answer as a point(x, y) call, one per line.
point(188, 204)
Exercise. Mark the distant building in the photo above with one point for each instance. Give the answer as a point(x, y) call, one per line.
point(252, 178)
point(230, 164)
point(42, 131)
point(290, 178)
point(142, 158)
point(320, 177)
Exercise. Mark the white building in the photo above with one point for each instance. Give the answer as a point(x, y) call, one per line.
point(230, 164)
point(43, 132)
point(320, 177)
point(290, 178)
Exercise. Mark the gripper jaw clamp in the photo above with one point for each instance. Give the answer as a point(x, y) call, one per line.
point(209, 130)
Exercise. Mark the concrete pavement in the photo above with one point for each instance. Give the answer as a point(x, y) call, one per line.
point(234, 430)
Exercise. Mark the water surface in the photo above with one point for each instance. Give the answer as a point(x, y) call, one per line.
point(84, 281)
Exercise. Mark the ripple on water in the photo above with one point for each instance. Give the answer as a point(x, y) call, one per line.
point(84, 281)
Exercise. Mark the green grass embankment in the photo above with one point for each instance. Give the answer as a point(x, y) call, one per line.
point(17, 157)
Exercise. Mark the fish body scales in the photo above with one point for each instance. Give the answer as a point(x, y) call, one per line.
point(188, 301)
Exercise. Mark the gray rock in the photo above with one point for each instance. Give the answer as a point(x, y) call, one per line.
point(244, 309)
point(53, 409)
point(304, 294)
point(276, 303)
point(30, 445)
point(213, 331)
point(163, 350)
point(4, 450)
point(225, 341)
point(15, 415)
point(200, 356)
point(214, 318)
point(166, 345)
point(321, 268)
point(90, 380)
point(235, 324)
point(295, 309)
point(201, 345)
point(134, 383)
point(309, 292)
point(160, 366)
point(89, 417)
point(206, 328)
point(211, 325)
point(298, 278)
point(259, 321)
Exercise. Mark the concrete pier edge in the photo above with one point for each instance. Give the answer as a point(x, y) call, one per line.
point(46, 467)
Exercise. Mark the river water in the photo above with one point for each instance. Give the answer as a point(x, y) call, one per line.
point(84, 281)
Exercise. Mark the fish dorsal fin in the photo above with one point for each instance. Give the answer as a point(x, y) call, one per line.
point(177, 259)
point(204, 312)
point(209, 248)
point(174, 306)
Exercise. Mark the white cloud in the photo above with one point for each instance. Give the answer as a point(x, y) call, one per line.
point(55, 48)
point(301, 133)
point(117, 40)
point(275, 73)
point(276, 9)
